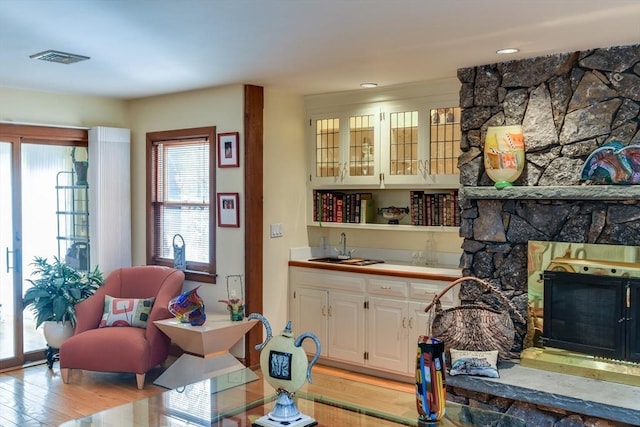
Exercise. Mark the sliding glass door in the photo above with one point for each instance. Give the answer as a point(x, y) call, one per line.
point(40, 167)
point(30, 167)
point(9, 323)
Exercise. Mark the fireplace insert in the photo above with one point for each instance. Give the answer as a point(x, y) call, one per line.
point(592, 314)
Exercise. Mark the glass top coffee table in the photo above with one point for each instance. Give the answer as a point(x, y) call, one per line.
point(330, 400)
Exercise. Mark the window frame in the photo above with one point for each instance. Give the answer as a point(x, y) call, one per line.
point(204, 272)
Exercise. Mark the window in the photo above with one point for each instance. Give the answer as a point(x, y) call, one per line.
point(181, 195)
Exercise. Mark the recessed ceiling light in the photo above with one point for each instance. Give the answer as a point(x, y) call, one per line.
point(59, 57)
point(507, 51)
point(368, 85)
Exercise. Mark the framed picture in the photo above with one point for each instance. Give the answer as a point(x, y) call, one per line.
point(228, 156)
point(228, 210)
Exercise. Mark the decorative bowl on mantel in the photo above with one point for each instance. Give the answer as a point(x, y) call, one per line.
point(393, 214)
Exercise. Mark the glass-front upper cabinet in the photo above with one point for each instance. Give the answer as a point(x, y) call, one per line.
point(346, 149)
point(421, 146)
point(397, 142)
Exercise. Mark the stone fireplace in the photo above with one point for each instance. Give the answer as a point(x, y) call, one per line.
point(568, 105)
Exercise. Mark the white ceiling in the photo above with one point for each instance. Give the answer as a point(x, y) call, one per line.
point(140, 48)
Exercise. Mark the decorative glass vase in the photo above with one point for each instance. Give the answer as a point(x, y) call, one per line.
point(431, 392)
point(504, 154)
point(188, 307)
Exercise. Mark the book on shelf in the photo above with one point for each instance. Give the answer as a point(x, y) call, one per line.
point(434, 209)
point(367, 211)
point(335, 206)
point(426, 208)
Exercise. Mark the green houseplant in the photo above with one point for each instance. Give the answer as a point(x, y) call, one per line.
point(57, 288)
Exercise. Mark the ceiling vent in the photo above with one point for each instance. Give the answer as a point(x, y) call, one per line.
point(59, 57)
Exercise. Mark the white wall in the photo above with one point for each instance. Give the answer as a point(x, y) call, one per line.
point(221, 107)
point(284, 197)
point(47, 108)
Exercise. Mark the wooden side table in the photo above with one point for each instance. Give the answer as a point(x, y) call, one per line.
point(206, 349)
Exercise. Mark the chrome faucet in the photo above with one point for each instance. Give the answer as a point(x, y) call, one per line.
point(344, 253)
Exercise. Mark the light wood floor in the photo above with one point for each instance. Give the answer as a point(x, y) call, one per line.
point(36, 395)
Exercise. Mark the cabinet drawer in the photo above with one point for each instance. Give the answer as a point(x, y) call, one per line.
point(387, 287)
point(321, 278)
point(426, 291)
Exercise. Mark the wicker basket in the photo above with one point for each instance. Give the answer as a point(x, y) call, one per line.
point(472, 326)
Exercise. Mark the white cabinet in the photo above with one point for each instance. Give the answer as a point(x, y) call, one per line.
point(344, 148)
point(335, 316)
point(314, 303)
point(369, 321)
point(346, 326)
point(387, 332)
point(400, 138)
point(396, 318)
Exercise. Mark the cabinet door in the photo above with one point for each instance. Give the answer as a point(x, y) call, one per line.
point(326, 149)
point(346, 327)
point(387, 333)
point(420, 145)
point(418, 325)
point(403, 144)
point(310, 314)
point(443, 150)
point(345, 149)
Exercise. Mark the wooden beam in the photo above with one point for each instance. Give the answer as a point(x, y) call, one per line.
point(253, 218)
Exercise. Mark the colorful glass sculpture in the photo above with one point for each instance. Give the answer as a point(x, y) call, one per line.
point(188, 307)
point(613, 163)
point(431, 391)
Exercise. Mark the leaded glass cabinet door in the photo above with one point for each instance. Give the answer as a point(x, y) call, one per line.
point(444, 146)
point(345, 149)
point(420, 145)
point(403, 140)
point(326, 157)
point(363, 162)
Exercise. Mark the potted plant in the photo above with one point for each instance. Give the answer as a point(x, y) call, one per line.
point(56, 289)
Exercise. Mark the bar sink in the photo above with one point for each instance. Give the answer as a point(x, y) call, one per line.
point(349, 261)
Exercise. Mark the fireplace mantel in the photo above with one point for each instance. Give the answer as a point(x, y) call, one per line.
point(572, 192)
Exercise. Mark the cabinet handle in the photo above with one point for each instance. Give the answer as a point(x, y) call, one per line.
point(410, 322)
point(423, 168)
point(404, 322)
point(329, 311)
point(343, 173)
point(324, 310)
point(386, 288)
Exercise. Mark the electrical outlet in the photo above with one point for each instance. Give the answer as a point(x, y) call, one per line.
point(275, 230)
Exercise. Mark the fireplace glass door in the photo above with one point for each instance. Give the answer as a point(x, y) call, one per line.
point(590, 314)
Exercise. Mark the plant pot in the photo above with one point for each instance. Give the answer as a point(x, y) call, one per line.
point(55, 333)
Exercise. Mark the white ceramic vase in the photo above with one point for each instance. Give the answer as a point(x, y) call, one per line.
point(55, 333)
point(504, 154)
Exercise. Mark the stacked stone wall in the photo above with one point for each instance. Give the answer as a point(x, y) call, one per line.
point(569, 105)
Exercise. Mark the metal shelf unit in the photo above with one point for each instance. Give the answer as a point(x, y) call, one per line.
point(72, 211)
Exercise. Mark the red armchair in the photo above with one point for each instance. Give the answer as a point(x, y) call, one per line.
point(122, 349)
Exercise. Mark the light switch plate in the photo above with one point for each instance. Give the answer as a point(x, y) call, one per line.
point(275, 230)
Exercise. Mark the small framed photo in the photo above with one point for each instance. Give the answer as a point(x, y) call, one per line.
point(228, 156)
point(228, 210)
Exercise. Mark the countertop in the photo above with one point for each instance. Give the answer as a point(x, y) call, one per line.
point(385, 269)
